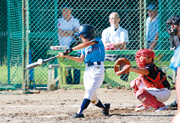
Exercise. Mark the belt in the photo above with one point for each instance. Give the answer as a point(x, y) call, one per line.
point(93, 63)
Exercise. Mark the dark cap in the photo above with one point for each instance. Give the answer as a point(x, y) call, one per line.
point(66, 6)
point(151, 7)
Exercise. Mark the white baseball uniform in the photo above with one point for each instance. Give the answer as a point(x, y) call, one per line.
point(94, 72)
point(65, 25)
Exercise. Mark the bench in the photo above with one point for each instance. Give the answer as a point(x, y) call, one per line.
point(64, 62)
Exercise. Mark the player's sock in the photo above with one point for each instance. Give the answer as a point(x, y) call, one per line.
point(100, 105)
point(84, 105)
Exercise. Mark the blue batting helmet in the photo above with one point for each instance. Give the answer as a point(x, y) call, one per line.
point(87, 30)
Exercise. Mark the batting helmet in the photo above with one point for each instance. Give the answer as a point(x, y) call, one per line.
point(173, 20)
point(87, 30)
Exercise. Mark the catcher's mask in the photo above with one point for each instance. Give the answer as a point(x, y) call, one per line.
point(175, 20)
point(143, 52)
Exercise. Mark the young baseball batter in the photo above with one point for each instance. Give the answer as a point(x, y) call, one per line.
point(93, 54)
point(151, 87)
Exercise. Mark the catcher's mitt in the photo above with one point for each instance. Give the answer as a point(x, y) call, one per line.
point(122, 65)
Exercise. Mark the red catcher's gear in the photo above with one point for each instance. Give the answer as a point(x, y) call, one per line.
point(157, 83)
point(143, 52)
point(148, 100)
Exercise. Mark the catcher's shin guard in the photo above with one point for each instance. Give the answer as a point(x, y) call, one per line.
point(148, 100)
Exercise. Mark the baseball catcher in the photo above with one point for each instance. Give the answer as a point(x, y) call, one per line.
point(151, 88)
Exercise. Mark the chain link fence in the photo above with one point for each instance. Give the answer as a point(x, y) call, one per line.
point(29, 28)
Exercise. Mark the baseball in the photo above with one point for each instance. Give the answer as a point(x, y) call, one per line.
point(40, 61)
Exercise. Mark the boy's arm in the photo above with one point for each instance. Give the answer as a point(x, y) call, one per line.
point(143, 71)
point(76, 59)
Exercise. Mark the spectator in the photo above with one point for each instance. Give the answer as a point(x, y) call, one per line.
point(152, 27)
point(115, 37)
point(173, 25)
point(67, 26)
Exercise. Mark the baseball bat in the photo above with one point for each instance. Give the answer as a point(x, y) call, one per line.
point(83, 45)
point(40, 62)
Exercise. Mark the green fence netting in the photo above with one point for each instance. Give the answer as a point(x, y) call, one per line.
point(29, 28)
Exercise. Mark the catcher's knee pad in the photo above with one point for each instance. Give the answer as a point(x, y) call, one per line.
point(134, 84)
point(141, 93)
point(148, 99)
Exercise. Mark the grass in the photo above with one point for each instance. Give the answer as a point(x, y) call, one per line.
point(41, 77)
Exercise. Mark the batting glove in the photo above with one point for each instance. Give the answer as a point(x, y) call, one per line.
point(67, 51)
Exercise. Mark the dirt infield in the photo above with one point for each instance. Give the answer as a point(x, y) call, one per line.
point(58, 106)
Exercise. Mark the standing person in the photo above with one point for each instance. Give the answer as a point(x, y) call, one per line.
point(173, 28)
point(152, 27)
point(93, 54)
point(151, 87)
point(115, 38)
point(67, 26)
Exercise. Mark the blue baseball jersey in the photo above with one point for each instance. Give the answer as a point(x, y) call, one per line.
point(175, 60)
point(94, 53)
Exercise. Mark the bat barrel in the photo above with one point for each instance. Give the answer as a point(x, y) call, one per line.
point(33, 65)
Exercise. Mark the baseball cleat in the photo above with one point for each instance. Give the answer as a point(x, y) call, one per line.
point(76, 115)
point(106, 111)
point(142, 108)
point(161, 108)
point(172, 105)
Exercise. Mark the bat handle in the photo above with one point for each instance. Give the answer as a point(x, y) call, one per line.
point(49, 59)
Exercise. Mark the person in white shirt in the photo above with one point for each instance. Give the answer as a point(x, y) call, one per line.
point(115, 38)
point(67, 26)
point(115, 35)
point(152, 28)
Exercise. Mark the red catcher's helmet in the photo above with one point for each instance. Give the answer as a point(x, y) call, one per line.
point(145, 53)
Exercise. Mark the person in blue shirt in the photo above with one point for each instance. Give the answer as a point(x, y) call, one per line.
point(93, 54)
point(152, 27)
point(175, 65)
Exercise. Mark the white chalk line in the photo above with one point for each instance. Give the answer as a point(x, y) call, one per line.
point(53, 106)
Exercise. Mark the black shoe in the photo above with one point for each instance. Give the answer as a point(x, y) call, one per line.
point(76, 115)
point(172, 105)
point(106, 111)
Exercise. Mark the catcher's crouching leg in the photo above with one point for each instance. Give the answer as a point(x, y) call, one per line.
point(149, 100)
point(134, 85)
